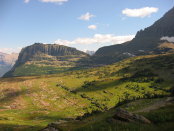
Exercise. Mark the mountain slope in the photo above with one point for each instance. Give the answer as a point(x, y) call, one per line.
point(6, 62)
point(145, 41)
point(30, 103)
point(39, 59)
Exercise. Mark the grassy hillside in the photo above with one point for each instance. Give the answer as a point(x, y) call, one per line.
point(51, 65)
point(30, 103)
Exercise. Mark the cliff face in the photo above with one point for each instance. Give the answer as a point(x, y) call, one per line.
point(39, 59)
point(145, 40)
point(30, 52)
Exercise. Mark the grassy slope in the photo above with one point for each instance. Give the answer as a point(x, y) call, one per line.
point(33, 102)
point(45, 64)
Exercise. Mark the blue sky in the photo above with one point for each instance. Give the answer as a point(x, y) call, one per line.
point(84, 24)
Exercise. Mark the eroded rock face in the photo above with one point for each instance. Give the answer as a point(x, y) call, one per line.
point(28, 53)
point(126, 116)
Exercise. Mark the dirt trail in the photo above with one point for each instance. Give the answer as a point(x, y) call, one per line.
point(157, 105)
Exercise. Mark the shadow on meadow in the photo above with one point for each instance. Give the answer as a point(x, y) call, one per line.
point(98, 85)
point(11, 95)
point(17, 79)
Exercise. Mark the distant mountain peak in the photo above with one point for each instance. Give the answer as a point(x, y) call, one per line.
point(89, 52)
point(7, 61)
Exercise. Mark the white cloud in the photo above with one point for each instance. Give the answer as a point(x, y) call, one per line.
point(142, 12)
point(169, 39)
point(97, 39)
point(26, 1)
point(86, 16)
point(92, 27)
point(10, 50)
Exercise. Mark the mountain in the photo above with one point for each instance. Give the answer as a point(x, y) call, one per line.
point(146, 41)
point(90, 52)
point(39, 59)
point(6, 62)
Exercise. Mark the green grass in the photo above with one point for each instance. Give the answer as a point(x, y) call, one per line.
point(35, 70)
point(164, 114)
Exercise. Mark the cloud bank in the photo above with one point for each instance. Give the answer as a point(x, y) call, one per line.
point(141, 12)
point(97, 39)
point(169, 39)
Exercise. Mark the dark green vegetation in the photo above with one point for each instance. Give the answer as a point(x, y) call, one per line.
point(30, 103)
point(39, 59)
point(146, 41)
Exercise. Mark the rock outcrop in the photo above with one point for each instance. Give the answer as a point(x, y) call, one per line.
point(50, 129)
point(126, 116)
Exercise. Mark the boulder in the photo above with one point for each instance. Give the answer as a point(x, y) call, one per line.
point(54, 126)
point(126, 116)
point(50, 129)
